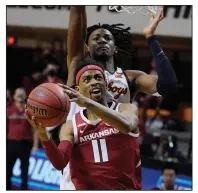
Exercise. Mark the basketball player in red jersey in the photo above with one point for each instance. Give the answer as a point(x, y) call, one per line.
point(101, 143)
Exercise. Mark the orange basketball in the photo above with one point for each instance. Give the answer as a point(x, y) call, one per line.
point(49, 104)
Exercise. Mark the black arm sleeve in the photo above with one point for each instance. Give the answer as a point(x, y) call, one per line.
point(167, 81)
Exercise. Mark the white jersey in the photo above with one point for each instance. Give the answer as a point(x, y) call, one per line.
point(118, 89)
point(117, 86)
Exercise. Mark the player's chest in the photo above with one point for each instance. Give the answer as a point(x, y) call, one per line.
point(117, 86)
point(88, 132)
point(102, 145)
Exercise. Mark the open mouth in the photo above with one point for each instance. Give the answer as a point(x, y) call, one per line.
point(95, 91)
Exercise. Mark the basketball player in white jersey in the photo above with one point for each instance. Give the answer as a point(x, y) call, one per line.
point(104, 42)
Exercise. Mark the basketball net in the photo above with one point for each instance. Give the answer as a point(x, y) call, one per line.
point(145, 10)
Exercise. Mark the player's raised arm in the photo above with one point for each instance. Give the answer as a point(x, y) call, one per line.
point(143, 82)
point(76, 39)
point(58, 156)
point(166, 82)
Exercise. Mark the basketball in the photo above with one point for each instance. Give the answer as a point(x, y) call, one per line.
point(49, 104)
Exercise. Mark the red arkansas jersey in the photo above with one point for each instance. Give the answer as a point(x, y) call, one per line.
point(102, 157)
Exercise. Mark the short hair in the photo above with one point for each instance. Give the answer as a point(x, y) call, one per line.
point(122, 36)
point(84, 63)
point(169, 165)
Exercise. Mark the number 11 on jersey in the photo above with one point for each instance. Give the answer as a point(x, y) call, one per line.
point(100, 150)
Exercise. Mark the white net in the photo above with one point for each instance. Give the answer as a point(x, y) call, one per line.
point(134, 9)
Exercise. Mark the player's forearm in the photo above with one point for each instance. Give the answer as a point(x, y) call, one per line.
point(115, 119)
point(167, 81)
point(58, 156)
point(76, 33)
point(71, 72)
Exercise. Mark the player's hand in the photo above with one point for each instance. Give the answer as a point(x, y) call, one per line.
point(149, 30)
point(37, 126)
point(74, 95)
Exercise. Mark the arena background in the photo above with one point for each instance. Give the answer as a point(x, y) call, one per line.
point(35, 33)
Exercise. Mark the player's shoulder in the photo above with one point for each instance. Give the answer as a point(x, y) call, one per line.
point(78, 115)
point(80, 119)
point(66, 132)
point(67, 127)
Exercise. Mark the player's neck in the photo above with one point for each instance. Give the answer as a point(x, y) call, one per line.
point(91, 116)
point(108, 65)
point(51, 79)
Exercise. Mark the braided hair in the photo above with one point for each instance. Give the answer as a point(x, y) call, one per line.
point(122, 36)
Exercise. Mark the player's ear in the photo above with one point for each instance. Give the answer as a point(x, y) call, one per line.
point(87, 51)
point(116, 50)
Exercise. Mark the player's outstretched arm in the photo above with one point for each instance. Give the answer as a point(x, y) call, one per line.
point(166, 82)
point(76, 38)
point(58, 156)
point(125, 121)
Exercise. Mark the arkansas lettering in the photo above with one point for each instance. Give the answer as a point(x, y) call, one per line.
point(99, 134)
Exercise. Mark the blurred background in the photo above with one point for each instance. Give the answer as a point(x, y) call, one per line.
point(36, 53)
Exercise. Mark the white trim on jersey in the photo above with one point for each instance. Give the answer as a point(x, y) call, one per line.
point(82, 124)
point(134, 134)
point(117, 108)
point(138, 164)
point(75, 129)
point(131, 133)
point(119, 71)
point(113, 105)
point(95, 122)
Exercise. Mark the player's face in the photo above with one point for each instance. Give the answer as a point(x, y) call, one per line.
point(19, 95)
point(168, 177)
point(101, 44)
point(92, 85)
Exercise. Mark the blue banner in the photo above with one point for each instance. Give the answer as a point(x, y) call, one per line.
point(43, 176)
